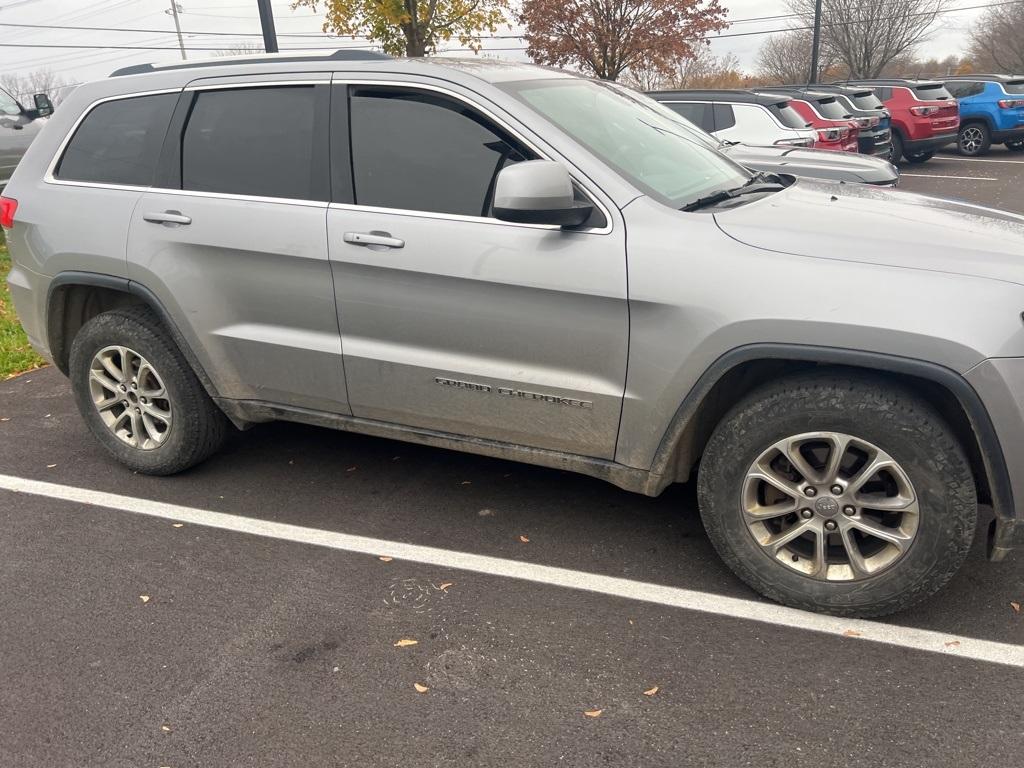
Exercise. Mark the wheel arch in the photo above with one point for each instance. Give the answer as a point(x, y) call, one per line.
point(73, 298)
point(983, 118)
point(741, 370)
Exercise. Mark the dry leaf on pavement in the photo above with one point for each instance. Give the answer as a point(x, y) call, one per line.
point(524, 539)
point(851, 633)
point(385, 559)
point(165, 728)
point(444, 587)
point(420, 688)
point(144, 598)
point(593, 712)
point(651, 691)
point(1015, 605)
point(952, 643)
point(177, 525)
point(405, 641)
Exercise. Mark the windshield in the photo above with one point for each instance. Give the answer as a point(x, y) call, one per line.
point(830, 109)
point(8, 106)
point(693, 130)
point(653, 151)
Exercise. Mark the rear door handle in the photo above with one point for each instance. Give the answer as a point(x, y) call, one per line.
point(167, 217)
point(374, 240)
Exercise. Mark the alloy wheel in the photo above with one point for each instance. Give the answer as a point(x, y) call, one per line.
point(130, 397)
point(971, 140)
point(830, 506)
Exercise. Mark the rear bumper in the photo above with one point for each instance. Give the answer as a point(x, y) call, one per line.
point(932, 143)
point(1010, 134)
point(878, 142)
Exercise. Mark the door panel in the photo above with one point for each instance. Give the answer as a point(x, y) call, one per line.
point(480, 328)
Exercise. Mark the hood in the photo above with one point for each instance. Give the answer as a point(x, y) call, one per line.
point(815, 163)
point(874, 225)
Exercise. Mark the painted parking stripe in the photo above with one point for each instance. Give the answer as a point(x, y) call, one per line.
point(981, 160)
point(937, 176)
point(675, 597)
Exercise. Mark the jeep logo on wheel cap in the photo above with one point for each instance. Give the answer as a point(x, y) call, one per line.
point(826, 506)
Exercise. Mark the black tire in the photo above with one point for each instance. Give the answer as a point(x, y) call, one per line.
point(1015, 146)
point(974, 139)
point(198, 427)
point(920, 157)
point(897, 149)
point(888, 416)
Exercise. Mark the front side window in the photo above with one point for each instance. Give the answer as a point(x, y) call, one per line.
point(119, 142)
point(252, 141)
point(421, 151)
point(648, 149)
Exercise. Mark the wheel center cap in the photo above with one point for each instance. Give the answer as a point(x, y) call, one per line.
point(826, 506)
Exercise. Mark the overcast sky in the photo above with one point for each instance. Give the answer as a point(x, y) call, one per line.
point(297, 29)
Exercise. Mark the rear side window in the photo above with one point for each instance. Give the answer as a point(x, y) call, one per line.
point(698, 114)
point(119, 142)
point(724, 117)
point(252, 141)
point(932, 92)
point(788, 116)
point(447, 164)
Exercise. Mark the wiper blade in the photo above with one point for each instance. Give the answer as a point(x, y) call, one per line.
point(751, 187)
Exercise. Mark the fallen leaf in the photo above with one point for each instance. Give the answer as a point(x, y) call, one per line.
point(336, 669)
point(593, 712)
point(851, 633)
point(5, 418)
point(444, 587)
point(50, 466)
point(144, 598)
point(177, 525)
point(485, 512)
point(165, 728)
point(352, 469)
point(524, 539)
point(385, 559)
point(1015, 605)
point(953, 644)
point(466, 482)
point(631, 621)
point(420, 688)
point(47, 416)
point(406, 641)
point(651, 691)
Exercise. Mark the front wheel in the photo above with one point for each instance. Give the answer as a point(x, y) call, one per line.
point(838, 494)
point(974, 139)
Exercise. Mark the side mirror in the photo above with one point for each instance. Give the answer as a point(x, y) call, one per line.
point(538, 192)
point(44, 107)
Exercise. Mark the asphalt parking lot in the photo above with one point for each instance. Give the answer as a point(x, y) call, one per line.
point(259, 611)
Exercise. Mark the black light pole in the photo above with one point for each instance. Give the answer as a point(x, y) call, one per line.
point(267, 23)
point(815, 44)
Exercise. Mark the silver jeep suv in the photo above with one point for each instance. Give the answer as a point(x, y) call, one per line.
point(521, 263)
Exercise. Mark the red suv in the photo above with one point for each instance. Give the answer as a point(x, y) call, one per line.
point(925, 116)
point(836, 129)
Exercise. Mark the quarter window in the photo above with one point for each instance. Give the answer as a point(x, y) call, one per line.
point(119, 141)
point(252, 141)
point(420, 151)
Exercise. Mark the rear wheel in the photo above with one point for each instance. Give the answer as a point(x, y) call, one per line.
point(920, 157)
point(974, 139)
point(1015, 146)
point(897, 149)
point(838, 494)
point(138, 395)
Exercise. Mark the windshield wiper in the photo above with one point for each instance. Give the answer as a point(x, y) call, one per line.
point(759, 182)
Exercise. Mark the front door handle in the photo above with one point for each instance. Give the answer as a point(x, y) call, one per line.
point(167, 217)
point(374, 240)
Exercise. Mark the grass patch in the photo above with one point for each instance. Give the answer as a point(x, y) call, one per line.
point(16, 356)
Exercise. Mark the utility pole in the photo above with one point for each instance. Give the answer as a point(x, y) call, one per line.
point(174, 11)
point(267, 23)
point(816, 44)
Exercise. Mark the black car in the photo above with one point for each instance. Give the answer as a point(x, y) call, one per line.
point(864, 108)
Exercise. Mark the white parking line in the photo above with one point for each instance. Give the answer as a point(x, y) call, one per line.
point(981, 160)
point(937, 176)
point(675, 597)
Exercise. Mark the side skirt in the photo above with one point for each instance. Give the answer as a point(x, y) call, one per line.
point(246, 412)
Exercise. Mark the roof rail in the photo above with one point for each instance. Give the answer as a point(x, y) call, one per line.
point(343, 54)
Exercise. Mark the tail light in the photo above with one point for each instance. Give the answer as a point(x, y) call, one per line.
point(833, 134)
point(1011, 103)
point(8, 205)
point(923, 111)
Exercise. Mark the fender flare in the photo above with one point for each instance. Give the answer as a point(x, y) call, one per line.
point(992, 457)
point(55, 316)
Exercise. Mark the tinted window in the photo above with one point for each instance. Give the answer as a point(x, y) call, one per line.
point(252, 141)
point(119, 141)
point(724, 117)
point(931, 92)
point(420, 151)
point(698, 114)
point(788, 116)
point(866, 101)
point(1014, 86)
point(830, 109)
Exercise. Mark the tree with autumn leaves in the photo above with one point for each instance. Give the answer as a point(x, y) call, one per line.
point(606, 38)
point(411, 27)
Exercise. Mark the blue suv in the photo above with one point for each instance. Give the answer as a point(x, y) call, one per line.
point(991, 111)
